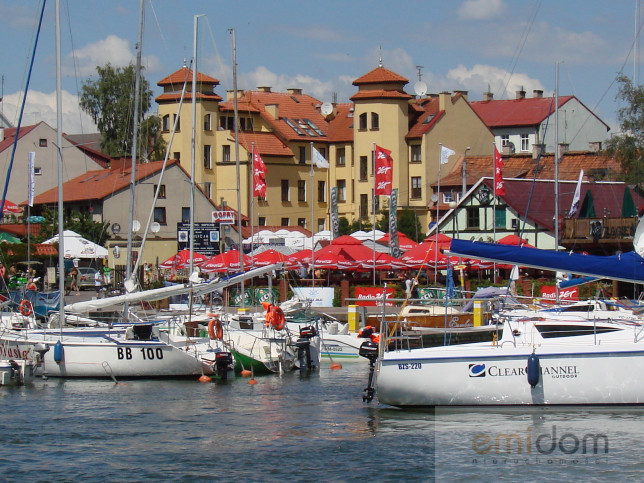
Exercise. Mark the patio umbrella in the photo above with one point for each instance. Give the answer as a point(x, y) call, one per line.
point(514, 240)
point(182, 260)
point(224, 262)
point(424, 255)
point(7, 238)
point(302, 257)
point(628, 205)
point(404, 242)
point(268, 257)
point(11, 207)
point(344, 253)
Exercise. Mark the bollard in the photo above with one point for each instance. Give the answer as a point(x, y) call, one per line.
point(478, 313)
point(353, 318)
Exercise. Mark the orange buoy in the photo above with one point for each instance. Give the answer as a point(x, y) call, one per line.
point(215, 329)
point(336, 365)
point(252, 382)
point(204, 378)
point(246, 373)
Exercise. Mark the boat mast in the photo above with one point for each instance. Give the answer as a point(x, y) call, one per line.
point(59, 150)
point(237, 167)
point(556, 170)
point(129, 276)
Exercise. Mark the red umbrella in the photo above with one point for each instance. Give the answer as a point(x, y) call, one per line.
point(404, 242)
point(384, 261)
point(268, 257)
point(11, 207)
point(423, 255)
point(514, 240)
point(182, 260)
point(442, 240)
point(224, 262)
point(345, 252)
point(301, 257)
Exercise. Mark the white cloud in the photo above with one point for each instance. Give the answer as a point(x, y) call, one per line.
point(480, 9)
point(112, 49)
point(280, 82)
point(479, 77)
point(41, 106)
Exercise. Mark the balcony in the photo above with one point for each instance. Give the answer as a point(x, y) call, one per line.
point(599, 230)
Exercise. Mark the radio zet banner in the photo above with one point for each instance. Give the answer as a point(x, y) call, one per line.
point(372, 296)
point(549, 293)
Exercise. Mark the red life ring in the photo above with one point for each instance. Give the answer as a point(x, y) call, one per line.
point(25, 308)
point(275, 317)
point(215, 329)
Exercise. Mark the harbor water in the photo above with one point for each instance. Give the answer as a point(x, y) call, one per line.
point(298, 428)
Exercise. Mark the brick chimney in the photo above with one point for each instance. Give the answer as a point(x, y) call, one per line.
point(488, 96)
point(264, 88)
point(537, 93)
point(294, 91)
point(444, 99)
point(520, 94)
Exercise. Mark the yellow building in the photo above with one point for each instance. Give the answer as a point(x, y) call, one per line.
point(282, 128)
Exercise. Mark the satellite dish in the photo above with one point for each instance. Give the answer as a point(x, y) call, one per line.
point(326, 108)
point(420, 88)
point(434, 198)
point(136, 225)
point(116, 228)
point(155, 227)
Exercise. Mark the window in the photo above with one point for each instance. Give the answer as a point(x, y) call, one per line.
point(227, 122)
point(225, 153)
point(285, 190)
point(340, 157)
point(42, 143)
point(341, 184)
point(363, 120)
point(206, 123)
point(364, 205)
point(473, 218)
point(321, 191)
point(375, 121)
point(320, 224)
point(505, 139)
point(499, 216)
point(261, 221)
point(165, 123)
point(301, 222)
point(302, 155)
point(159, 215)
point(448, 197)
point(415, 153)
point(177, 155)
point(514, 224)
point(525, 145)
point(285, 222)
point(363, 168)
point(185, 214)
point(207, 159)
point(322, 151)
point(161, 191)
point(177, 122)
point(416, 187)
point(301, 190)
point(37, 171)
point(207, 188)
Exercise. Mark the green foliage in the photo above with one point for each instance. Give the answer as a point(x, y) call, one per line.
point(81, 223)
point(343, 226)
point(109, 101)
point(407, 223)
point(628, 147)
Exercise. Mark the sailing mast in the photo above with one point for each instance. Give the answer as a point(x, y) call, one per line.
point(59, 150)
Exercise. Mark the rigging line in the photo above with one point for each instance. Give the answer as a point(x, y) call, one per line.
point(218, 56)
point(520, 45)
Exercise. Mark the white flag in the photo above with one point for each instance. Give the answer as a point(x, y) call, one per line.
point(318, 159)
point(32, 184)
point(445, 154)
point(575, 199)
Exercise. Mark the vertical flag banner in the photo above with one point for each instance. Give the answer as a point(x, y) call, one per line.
point(384, 171)
point(259, 175)
point(577, 196)
point(32, 183)
point(394, 248)
point(499, 184)
point(318, 159)
point(445, 154)
point(335, 221)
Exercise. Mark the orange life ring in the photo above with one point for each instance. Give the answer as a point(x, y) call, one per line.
point(25, 308)
point(215, 329)
point(275, 317)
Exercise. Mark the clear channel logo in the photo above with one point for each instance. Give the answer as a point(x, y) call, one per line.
point(477, 370)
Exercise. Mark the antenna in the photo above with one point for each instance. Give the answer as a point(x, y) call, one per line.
point(420, 71)
point(380, 58)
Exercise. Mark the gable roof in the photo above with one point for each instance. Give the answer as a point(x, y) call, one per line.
point(173, 84)
point(10, 133)
point(184, 74)
point(266, 144)
point(517, 112)
point(380, 75)
point(428, 116)
point(341, 126)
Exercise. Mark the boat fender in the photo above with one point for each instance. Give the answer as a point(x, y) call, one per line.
point(533, 370)
point(59, 352)
point(25, 308)
point(215, 329)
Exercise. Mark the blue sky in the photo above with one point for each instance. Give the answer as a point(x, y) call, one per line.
point(322, 47)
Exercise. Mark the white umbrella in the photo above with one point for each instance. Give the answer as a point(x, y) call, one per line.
point(78, 247)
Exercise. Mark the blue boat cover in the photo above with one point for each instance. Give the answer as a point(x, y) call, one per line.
point(628, 267)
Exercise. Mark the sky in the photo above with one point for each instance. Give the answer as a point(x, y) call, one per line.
point(321, 47)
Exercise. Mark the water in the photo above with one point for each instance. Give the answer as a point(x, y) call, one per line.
point(293, 428)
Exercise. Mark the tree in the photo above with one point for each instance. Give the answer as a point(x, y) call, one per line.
point(628, 147)
point(81, 223)
point(407, 223)
point(109, 102)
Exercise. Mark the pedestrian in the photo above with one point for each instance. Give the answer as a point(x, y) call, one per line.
point(98, 281)
point(408, 285)
point(74, 280)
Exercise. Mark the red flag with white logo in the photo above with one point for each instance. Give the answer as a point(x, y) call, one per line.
point(259, 175)
point(499, 184)
point(384, 171)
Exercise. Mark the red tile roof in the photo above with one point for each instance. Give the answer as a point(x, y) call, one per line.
point(10, 132)
point(378, 76)
point(380, 94)
point(175, 96)
point(266, 143)
point(341, 126)
point(179, 77)
point(427, 119)
point(517, 112)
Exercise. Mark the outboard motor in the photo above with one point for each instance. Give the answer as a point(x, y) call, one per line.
point(303, 344)
point(16, 373)
point(223, 364)
point(369, 350)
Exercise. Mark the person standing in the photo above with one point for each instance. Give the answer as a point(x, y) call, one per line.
point(74, 280)
point(98, 281)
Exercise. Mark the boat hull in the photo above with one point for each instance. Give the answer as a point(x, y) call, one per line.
point(484, 377)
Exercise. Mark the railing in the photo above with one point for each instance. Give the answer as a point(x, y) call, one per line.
point(600, 228)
